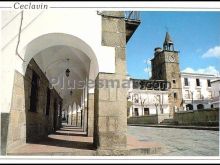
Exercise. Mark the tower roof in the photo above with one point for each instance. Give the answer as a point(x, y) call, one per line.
point(168, 39)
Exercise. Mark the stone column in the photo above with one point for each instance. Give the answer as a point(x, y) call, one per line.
point(4, 132)
point(85, 115)
point(90, 127)
point(17, 120)
point(85, 119)
point(78, 119)
point(110, 131)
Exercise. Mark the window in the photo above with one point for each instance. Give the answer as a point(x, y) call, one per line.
point(48, 102)
point(209, 83)
point(197, 82)
point(175, 95)
point(187, 94)
point(186, 83)
point(174, 81)
point(199, 96)
point(136, 112)
point(146, 111)
point(34, 92)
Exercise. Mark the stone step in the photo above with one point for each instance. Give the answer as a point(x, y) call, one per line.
point(127, 152)
point(72, 153)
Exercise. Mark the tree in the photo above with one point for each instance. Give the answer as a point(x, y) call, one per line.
point(158, 102)
point(142, 101)
point(129, 103)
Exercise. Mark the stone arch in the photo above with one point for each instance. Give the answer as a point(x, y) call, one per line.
point(52, 49)
point(189, 107)
point(46, 41)
point(200, 106)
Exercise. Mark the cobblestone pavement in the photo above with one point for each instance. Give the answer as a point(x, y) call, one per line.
point(179, 142)
point(66, 141)
point(70, 140)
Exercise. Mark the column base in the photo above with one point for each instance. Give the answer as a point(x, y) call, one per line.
point(4, 132)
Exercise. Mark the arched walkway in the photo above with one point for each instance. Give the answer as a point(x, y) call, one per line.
point(50, 92)
point(54, 48)
point(55, 62)
point(61, 53)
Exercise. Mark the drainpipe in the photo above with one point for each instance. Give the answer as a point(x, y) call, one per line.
point(19, 36)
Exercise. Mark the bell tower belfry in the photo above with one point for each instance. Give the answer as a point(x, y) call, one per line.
point(168, 43)
point(165, 66)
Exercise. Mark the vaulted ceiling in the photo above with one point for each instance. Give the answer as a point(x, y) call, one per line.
point(53, 62)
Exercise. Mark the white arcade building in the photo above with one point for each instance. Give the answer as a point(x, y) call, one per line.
point(43, 54)
point(198, 90)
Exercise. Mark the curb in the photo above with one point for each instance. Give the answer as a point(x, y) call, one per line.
point(180, 127)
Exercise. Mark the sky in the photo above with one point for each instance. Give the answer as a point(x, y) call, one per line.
point(195, 34)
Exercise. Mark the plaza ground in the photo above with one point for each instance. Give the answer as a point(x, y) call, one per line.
point(179, 142)
point(73, 141)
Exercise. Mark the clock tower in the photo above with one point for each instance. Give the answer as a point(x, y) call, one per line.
point(165, 66)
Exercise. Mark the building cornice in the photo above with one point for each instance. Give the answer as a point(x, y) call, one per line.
point(198, 74)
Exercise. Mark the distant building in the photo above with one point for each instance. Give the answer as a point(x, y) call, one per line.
point(143, 102)
point(198, 91)
point(215, 84)
point(187, 91)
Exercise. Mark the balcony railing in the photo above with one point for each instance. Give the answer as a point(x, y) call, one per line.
point(132, 15)
point(132, 19)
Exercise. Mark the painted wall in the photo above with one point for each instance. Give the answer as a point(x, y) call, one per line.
point(148, 99)
point(83, 25)
point(216, 93)
point(205, 99)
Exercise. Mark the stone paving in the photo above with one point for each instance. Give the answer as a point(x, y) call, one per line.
point(179, 142)
point(71, 140)
point(66, 141)
point(175, 142)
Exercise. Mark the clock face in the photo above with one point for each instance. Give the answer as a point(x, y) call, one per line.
point(171, 58)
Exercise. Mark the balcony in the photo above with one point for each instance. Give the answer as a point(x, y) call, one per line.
point(132, 20)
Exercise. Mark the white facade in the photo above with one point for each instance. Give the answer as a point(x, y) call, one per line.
point(197, 90)
point(51, 37)
point(216, 93)
point(147, 102)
